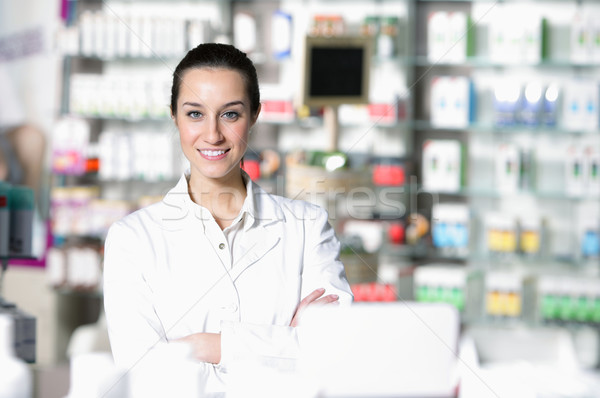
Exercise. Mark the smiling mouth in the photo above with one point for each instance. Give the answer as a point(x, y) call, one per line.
point(213, 154)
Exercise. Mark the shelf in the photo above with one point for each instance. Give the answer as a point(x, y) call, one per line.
point(484, 62)
point(83, 292)
point(127, 58)
point(423, 125)
point(127, 119)
point(494, 194)
point(410, 66)
point(12, 257)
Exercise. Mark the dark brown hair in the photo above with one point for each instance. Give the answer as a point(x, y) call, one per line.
point(216, 55)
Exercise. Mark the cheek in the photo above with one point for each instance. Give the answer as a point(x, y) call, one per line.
point(241, 136)
point(187, 136)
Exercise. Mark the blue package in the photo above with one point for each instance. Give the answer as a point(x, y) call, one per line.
point(590, 244)
point(460, 236)
point(440, 235)
point(506, 104)
point(550, 107)
point(531, 104)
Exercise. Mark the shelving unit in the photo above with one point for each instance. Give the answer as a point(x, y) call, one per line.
point(509, 285)
point(401, 81)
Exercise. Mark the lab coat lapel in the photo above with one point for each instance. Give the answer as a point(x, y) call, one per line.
point(257, 242)
point(263, 235)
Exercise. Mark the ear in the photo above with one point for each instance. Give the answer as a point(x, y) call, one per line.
point(255, 116)
point(172, 115)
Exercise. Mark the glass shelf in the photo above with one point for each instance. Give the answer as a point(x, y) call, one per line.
point(119, 118)
point(484, 62)
point(491, 128)
point(494, 194)
point(126, 58)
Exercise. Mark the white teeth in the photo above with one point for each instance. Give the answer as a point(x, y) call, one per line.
point(212, 153)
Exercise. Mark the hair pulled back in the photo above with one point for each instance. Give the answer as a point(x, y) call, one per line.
point(217, 56)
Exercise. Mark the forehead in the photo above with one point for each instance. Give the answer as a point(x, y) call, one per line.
point(203, 80)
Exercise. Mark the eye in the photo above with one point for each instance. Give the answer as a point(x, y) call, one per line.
point(231, 115)
point(194, 114)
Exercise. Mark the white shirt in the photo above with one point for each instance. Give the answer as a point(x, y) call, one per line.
point(170, 271)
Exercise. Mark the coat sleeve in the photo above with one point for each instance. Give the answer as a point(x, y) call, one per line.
point(279, 346)
point(133, 326)
point(322, 266)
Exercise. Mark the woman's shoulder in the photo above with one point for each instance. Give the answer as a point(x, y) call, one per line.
point(140, 219)
point(288, 209)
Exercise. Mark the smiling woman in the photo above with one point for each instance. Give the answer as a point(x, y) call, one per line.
point(213, 120)
point(219, 263)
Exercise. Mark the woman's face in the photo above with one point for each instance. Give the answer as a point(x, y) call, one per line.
point(213, 118)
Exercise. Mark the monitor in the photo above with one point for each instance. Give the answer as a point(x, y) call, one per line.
point(336, 71)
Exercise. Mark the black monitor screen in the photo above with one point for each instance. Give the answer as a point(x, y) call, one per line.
point(336, 71)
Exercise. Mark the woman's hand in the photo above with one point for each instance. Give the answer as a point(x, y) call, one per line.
point(313, 298)
point(206, 346)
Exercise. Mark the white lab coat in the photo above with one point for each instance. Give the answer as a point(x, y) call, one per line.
point(166, 277)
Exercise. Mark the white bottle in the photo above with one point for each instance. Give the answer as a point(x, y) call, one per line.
point(16, 376)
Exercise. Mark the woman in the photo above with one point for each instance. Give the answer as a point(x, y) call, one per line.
point(218, 263)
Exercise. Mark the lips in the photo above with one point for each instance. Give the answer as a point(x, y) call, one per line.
point(213, 154)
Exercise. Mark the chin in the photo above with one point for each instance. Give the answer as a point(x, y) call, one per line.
point(215, 174)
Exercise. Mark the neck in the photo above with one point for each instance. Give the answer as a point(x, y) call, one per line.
point(222, 197)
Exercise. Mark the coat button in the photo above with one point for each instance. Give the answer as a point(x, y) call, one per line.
point(221, 246)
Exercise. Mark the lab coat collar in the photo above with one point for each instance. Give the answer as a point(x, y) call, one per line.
point(259, 207)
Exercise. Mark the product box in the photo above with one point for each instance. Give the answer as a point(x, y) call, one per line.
point(449, 39)
point(442, 165)
point(388, 44)
point(438, 36)
point(460, 37)
point(516, 37)
point(503, 294)
point(592, 170)
point(452, 102)
point(501, 233)
point(565, 298)
point(70, 140)
point(507, 168)
point(589, 232)
point(580, 105)
point(533, 45)
point(575, 165)
point(450, 228)
point(504, 37)
point(581, 39)
point(590, 243)
point(389, 172)
point(595, 42)
point(384, 114)
point(445, 283)
point(530, 234)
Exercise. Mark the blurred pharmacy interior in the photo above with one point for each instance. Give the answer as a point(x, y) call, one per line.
point(459, 163)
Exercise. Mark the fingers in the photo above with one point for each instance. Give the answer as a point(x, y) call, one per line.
point(312, 296)
point(315, 298)
point(330, 298)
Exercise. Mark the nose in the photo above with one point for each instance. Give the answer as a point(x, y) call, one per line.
point(213, 134)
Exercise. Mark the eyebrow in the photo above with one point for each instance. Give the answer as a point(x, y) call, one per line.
point(196, 104)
